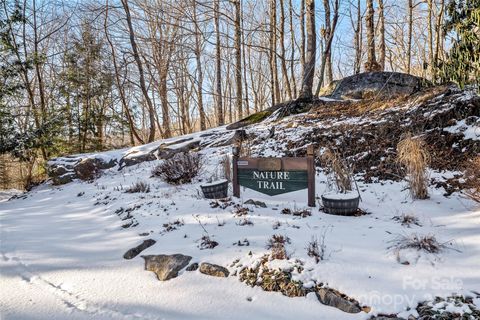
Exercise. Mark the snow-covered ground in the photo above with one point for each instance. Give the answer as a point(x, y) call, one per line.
point(62, 247)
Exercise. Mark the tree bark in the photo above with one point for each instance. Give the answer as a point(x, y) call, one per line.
point(198, 53)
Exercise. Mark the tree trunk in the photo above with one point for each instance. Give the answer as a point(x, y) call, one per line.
point(371, 64)
point(218, 65)
point(328, 45)
point(410, 31)
point(131, 125)
point(273, 52)
point(309, 68)
point(143, 86)
point(238, 59)
point(282, 51)
point(198, 52)
point(381, 31)
point(292, 57)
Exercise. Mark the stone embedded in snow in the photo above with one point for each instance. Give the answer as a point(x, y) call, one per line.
point(214, 270)
point(256, 203)
point(332, 299)
point(192, 267)
point(132, 253)
point(166, 267)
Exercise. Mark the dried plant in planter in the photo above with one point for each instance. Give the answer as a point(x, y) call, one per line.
point(337, 170)
point(225, 163)
point(413, 155)
point(179, 169)
point(472, 180)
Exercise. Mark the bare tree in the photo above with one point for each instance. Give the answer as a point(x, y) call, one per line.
point(309, 68)
point(218, 65)
point(143, 86)
point(371, 64)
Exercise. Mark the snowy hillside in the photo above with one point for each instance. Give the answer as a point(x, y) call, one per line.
point(62, 244)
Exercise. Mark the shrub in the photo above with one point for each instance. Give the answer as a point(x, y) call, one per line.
point(427, 243)
point(316, 250)
point(472, 178)
point(277, 245)
point(413, 155)
point(138, 187)
point(337, 170)
point(407, 220)
point(179, 169)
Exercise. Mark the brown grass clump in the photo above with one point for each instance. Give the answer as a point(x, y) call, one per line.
point(472, 178)
point(413, 155)
point(427, 243)
point(337, 170)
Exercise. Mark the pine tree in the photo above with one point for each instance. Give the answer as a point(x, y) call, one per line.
point(462, 65)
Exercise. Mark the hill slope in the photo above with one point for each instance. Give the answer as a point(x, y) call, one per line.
point(62, 245)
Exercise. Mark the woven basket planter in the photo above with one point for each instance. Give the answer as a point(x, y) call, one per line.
point(215, 190)
point(335, 204)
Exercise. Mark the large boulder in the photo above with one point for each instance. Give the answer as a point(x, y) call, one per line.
point(164, 266)
point(89, 168)
point(377, 85)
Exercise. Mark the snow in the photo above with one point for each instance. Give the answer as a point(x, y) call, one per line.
point(469, 131)
point(349, 195)
point(7, 194)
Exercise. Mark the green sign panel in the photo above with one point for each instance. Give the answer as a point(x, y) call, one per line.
point(273, 182)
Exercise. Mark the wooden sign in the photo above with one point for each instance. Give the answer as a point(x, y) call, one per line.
point(274, 176)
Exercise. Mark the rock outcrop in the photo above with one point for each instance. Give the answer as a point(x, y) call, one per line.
point(66, 169)
point(377, 85)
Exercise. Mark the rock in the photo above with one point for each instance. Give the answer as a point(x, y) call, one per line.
point(166, 266)
point(332, 299)
point(132, 253)
point(65, 169)
point(256, 203)
point(89, 168)
point(164, 151)
point(377, 85)
point(131, 159)
point(214, 270)
point(192, 267)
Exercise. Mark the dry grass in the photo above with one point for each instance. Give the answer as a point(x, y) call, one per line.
point(407, 220)
point(472, 178)
point(277, 245)
point(337, 170)
point(413, 155)
point(226, 166)
point(427, 243)
point(179, 169)
point(138, 187)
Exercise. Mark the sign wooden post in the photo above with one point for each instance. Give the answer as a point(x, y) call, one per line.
point(311, 176)
point(274, 176)
point(236, 186)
